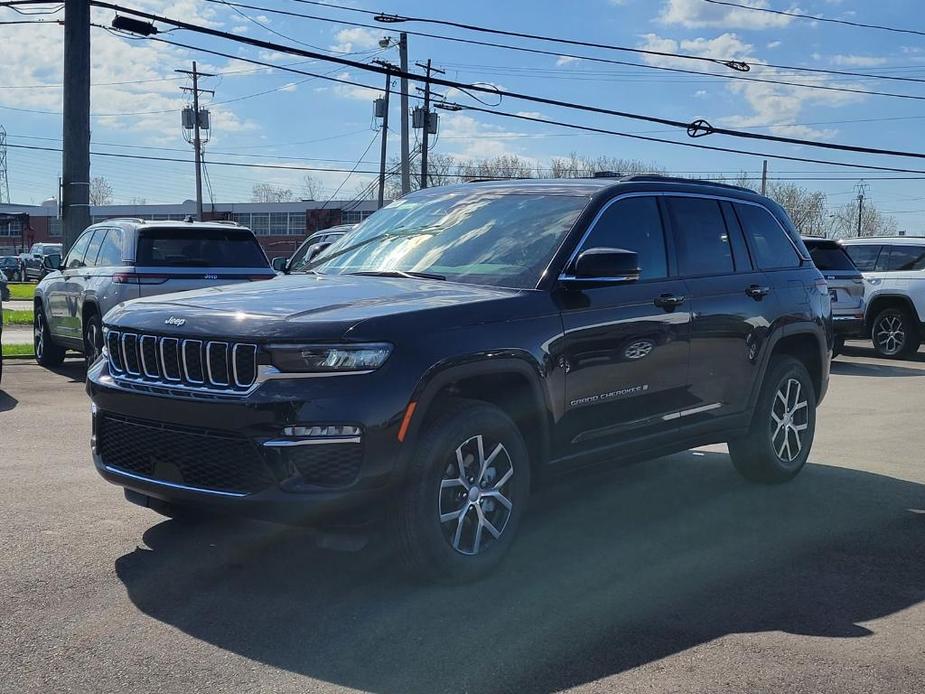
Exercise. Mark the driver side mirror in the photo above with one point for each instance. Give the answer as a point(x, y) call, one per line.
point(316, 251)
point(52, 262)
point(279, 264)
point(605, 265)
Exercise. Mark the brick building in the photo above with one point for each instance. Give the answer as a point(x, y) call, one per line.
point(279, 226)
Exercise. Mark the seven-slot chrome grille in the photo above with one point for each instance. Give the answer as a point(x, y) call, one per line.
point(155, 362)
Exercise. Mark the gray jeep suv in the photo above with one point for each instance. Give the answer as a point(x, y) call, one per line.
point(122, 259)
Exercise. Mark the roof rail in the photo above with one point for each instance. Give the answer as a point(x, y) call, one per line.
point(229, 222)
point(675, 179)
point(137, 220)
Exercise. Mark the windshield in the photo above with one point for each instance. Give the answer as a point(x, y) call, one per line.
point(197, 247)
point(8, 261)
point(473, 236)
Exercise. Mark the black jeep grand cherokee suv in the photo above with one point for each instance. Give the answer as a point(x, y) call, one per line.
point(461, 341)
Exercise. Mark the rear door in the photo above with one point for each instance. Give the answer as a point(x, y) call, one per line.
point(732, 302)
point(625, 346)
point(179, 259)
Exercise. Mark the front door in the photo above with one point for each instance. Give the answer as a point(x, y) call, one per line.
point(63, 311)
point(625, 346)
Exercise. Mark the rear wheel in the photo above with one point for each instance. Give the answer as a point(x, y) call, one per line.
point(895, 334)
point(464, 494)
point(47, 353)
point(781, 434)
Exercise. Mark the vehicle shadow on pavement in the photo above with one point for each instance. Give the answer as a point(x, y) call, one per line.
point(878, 370)
point(613, 569)
point(74, 369)
point(7, 402)
point(859, 350)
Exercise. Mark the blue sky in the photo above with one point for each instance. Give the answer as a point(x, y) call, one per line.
point(320, 124)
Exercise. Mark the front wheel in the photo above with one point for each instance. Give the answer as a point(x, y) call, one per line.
point(93, 339)
point(464, 494)
point(895, 334)
point(47, 353)
point(781, 434)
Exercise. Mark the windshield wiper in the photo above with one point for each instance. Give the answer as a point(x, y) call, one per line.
point(400, 273)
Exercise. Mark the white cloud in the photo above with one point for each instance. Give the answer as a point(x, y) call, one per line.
point(467, 138)
point(566, 60)
point(857, 60)
point(349, 40)
point(695, 14)
point(531, 114)
point(349, 91)
point(701, 93)
point(774, 106)
point(773, 44)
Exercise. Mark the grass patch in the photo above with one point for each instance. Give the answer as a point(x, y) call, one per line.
point(22, 291)
point(11, 317)
point(18, 351)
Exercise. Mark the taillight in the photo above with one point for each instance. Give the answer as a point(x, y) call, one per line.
point(138, 278)
point(822, 287)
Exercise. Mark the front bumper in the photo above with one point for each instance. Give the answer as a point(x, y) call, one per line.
point(232, 455)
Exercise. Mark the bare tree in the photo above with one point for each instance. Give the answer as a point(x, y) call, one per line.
point(264, 192)
point(806, 208)
point(844, 223)
point(311, 187)
point(100, 191)
point(580, 166)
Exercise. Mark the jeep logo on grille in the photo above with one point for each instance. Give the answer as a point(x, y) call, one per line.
point(175, 321)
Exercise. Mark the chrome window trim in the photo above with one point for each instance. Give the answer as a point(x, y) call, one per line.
point(164, 361)
point(186, 368)
point(663, 194)
point(141, 352)
point(209, 345)
point(234, 362)
point(124, 360)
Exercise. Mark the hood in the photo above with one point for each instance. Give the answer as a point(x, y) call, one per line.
point(294, 306)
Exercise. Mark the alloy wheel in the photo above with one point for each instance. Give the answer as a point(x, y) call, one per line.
point(789, 420)
point(890, 334)
point(93, 342)
point(474, 501)
point(39, 335)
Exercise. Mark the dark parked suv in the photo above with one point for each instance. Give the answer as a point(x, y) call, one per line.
point(459, 343)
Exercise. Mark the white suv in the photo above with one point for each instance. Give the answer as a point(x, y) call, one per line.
point(894, 293)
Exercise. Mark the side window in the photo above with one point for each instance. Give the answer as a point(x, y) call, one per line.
point(864, 256)
point(773, 250)
point(93, 249)
point(701, 235)
point(903, 258)
point(111, 249)
point(75, 256)
point(633, 224)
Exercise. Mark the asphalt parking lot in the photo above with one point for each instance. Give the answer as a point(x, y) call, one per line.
point(668, 576)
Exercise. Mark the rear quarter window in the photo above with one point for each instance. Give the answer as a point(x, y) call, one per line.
point(197, 247)
point(772, 248)
point(864, 256)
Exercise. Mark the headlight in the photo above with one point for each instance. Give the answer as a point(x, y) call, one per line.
point(329, 358)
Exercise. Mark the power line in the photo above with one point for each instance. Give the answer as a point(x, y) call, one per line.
point(647, 66)
point(395, 18)
point(816, 18)
point(550, 122)
point(694, 129)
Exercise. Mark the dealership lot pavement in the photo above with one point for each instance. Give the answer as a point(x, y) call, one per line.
point(671, 575)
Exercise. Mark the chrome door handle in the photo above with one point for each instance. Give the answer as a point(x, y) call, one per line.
point(757, 292)
point(669, 302)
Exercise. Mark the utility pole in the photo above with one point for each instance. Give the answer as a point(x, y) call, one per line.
point(75, 151)
point(764, 177)
point(862, 189)
point(426, 122)
point(197, 123)
point(385, 129)
point(405, 145)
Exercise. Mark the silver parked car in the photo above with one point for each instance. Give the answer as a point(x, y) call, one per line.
point(310, 248)
point(846, 288)
point(122, 259)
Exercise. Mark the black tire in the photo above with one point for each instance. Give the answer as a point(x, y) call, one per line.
point(93, 338)
point(47, 353)
point(838, 346)
point(895, 333)
point(457, 550)
point(766, 453)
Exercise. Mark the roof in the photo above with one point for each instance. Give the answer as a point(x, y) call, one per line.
point(163, 224)
point(592, 186)
point(911, 240)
